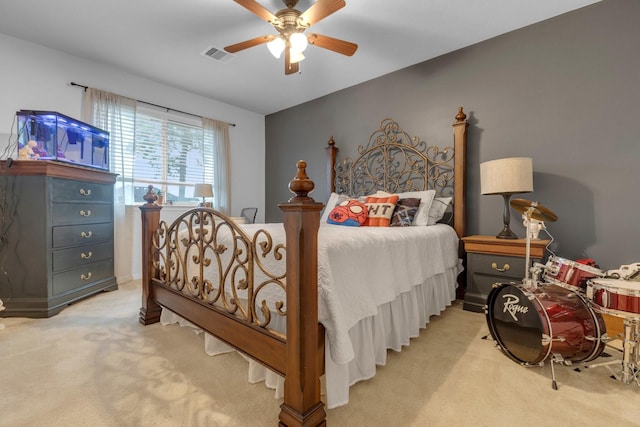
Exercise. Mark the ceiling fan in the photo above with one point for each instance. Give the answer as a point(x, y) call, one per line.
point(291, 24)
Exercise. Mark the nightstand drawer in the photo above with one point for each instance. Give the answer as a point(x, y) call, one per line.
point(491, 260)
point(81, 255)
point(507, 267)
point(82, 234)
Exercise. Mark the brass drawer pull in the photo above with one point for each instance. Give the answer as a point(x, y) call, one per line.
point(86, 256)
point(85, 213)
point(85, 192)
point(504, 267)
point(86, 235)
point(86, 276)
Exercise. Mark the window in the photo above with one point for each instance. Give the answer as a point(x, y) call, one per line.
point(161, 147)
point(171, 153)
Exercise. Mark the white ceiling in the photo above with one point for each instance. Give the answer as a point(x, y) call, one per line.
point(162, 40)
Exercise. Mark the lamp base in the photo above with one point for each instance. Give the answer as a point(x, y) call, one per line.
point(506, 233)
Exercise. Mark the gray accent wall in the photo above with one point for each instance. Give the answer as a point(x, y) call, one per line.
point(565, 92)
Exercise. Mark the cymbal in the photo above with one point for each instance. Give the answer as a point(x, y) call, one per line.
point(534, 210)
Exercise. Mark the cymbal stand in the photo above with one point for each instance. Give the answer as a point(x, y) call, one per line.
point(536, 271)
point(527, 282)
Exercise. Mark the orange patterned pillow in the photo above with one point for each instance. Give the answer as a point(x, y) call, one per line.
point(380, 210)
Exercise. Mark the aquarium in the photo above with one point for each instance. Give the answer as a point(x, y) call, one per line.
point(47, 135)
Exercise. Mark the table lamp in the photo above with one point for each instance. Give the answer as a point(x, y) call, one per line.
point(203, 190)
point(506, 177)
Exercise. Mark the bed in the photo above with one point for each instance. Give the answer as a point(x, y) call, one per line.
point(303, 299)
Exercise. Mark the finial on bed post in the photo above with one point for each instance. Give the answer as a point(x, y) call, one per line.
point(150, 197)
point(460, 117)
point(150, 310)
point(332, 152)
point(302, 405)
point(301, 185)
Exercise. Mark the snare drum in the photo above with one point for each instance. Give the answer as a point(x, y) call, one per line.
point(530, 325)
point(570, 274)
point(616, 297)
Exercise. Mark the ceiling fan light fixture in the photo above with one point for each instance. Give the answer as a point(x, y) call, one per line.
point(298, 42)
point(295, 56)
point(291, 25)
point(276, 47)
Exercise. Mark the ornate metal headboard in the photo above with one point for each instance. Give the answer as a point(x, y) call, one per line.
point(396, 162)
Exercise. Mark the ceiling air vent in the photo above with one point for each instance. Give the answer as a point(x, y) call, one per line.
point(218, 54)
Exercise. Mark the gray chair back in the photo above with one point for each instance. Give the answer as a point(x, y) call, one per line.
point(249, 214)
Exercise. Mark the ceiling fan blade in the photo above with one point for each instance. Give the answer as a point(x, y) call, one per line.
point(336, 45)
point(290, 67)
point(320, 10)
point(258, 9)
point(249, 43)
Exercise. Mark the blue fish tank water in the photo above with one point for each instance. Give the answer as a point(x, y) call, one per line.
point(47, 135)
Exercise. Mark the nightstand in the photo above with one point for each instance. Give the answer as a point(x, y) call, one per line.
point(491, 260)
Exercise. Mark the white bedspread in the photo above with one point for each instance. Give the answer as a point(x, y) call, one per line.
point(362, 268)
point(377, 287)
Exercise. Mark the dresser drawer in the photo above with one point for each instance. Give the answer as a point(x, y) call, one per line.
point(81, 255)
point(70, 235)
point(499, 266)
point(81, 213)
point(78, 191)
point(77, 278)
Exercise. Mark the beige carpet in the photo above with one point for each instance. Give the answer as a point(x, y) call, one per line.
point(94, 365)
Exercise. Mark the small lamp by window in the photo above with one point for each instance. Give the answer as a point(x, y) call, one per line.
point(203, 190)
point(506, 177)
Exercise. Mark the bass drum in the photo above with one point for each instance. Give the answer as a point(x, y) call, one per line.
point(531, 324)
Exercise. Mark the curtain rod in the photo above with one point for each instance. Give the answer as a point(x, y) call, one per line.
point(154, 105)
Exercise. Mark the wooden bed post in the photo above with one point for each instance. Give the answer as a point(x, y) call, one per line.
point(150, 212)
point(460, 167)
point(302, 404)
point(332, 152)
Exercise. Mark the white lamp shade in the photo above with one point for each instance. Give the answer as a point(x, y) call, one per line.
point(295, 56)
point(276, 47)
point(506, 176)
point(203, 190)
point(298, 42)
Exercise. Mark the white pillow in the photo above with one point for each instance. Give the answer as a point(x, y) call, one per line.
point(426, 198)
point(334, 199)
point(438, 208)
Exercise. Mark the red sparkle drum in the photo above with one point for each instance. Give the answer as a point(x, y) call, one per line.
point(570, 274)
point(614, 296)
point(531, 324)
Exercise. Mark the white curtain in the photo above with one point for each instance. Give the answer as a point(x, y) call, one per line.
point(116, 114)
point(219, 132)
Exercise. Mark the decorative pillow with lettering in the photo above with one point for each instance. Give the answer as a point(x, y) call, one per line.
point(380, 210)
point(350, 212)
point(404, 212)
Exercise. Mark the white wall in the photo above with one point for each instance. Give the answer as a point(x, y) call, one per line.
point(35, 77)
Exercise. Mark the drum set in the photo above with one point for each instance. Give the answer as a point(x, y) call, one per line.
point(558, 312)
